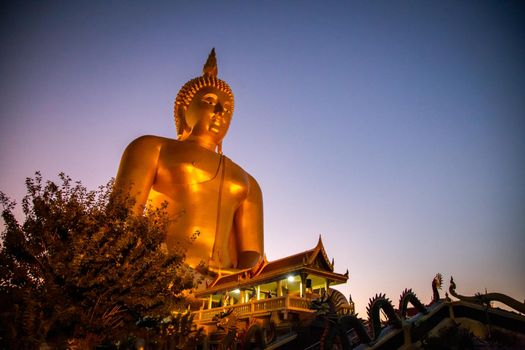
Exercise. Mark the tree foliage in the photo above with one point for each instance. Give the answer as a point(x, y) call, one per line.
point(82, 266)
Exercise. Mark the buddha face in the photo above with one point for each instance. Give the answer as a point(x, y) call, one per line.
point(208, 115)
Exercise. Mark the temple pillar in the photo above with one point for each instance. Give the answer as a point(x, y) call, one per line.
point(302, 286)
point(327, 284)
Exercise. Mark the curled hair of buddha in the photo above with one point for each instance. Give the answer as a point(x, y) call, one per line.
point(188, 91)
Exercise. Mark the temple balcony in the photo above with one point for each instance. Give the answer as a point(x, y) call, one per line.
point(258, 308)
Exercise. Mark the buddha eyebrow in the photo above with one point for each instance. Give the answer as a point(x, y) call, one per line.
point(210, 95)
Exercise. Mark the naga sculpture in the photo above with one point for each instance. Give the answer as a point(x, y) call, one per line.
point(408, 296)
point(336, 327)
point(226, 335)
point(486, 299)
point(254, 338)
point(375, 305)
point(437, 282)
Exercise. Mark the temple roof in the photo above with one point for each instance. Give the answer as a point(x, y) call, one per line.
point(312, 262)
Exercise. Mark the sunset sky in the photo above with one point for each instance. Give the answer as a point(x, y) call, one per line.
point(394, 129)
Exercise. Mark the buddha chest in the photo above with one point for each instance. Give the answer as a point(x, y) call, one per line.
point(185, 169)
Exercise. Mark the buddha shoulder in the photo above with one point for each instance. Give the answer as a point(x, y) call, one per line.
point(251, 186)
point(146, 145)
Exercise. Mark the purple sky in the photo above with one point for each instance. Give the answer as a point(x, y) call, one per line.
point(397, 131)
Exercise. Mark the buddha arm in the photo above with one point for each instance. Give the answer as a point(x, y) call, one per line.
point(249, 226)
point(137, 169)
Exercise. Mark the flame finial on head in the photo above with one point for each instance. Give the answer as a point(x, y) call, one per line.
point(186, 93)
point(210, 67)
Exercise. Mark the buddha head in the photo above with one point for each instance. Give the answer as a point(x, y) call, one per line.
point(204, 106)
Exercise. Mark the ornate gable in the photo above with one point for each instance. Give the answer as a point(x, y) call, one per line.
point(318, 257)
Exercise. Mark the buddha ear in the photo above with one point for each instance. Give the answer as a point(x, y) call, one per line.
point(184, 129)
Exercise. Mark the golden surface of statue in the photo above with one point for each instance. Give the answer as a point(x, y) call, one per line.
point(209, 196)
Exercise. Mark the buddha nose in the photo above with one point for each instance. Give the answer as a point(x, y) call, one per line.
point(218, 108)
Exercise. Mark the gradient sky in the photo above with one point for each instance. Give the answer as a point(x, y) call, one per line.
point(395, 130)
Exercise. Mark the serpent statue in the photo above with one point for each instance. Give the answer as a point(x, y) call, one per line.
point(437, 282)
point(334, 326)
point(408, 296)
point(486, 299)
point(227, 324)
point(375, 305)
point(337, 327)
point(254, 337)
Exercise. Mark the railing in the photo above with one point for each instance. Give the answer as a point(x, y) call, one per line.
point(271, 304)
point(298, 303)
point(284, 303)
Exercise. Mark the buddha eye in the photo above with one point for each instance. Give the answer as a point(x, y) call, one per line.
point(210, 99)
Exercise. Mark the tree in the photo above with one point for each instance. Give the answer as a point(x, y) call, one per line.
point(83, 267)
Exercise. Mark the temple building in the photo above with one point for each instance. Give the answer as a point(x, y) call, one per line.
point(282, 289)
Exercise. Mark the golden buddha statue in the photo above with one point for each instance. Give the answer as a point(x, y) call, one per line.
point(208, 196)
